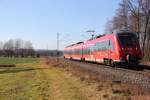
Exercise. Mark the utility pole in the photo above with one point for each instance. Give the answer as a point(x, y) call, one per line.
point(57, 47)
point(91, 32)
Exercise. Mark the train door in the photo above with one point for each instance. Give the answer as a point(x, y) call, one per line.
point(109, 49)
point(107, 52)
point(82, 53)
point(110, 53)
point(92, 53)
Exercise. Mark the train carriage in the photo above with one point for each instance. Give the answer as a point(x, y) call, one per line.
point(121, 47)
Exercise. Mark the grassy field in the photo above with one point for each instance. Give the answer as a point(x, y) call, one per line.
point(4, 60)
point(32, 79)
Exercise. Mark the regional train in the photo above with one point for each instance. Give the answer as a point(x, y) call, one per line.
point(111, 49)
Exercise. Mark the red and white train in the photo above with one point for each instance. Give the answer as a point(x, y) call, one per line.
point(120, 47)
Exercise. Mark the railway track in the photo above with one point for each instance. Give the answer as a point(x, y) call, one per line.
point(138, 75)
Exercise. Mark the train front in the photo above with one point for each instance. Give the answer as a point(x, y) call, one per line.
point(130, 51)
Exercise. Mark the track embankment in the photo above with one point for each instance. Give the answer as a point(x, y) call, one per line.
point(137, 78)
point(136, 75)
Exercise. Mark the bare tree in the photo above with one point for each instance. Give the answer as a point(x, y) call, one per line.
point(145, 6)
point(108, 27)
point(140, 12)
point(28, 45)
point(18, 43)
point(120, 20)
point(9, 48)
point(124, 12)
point(1, 45)
point(18, 46)
point(1, 48)
point(29, 51)
point(134, 14)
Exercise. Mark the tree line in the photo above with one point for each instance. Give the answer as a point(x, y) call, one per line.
point(16, 48)
point(135, 16)
point(49, 53)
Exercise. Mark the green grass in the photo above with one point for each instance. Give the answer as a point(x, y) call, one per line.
point(5, 60)
point(22, 82)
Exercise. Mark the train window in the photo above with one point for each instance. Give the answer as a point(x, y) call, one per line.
point(128, 39)
point(92, 48)
point(80, 51)
point(77, 51)
point(111, 45)
point(85, 51)
point(101, 46)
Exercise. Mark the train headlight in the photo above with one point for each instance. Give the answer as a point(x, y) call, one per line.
point(128, 58)
point(136, 48)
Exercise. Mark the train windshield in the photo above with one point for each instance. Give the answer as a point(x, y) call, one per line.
point(128, 39)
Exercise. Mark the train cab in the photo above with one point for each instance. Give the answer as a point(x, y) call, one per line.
point(128, 47)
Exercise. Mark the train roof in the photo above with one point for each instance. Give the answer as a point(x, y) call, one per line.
point(79, 42)
point(74, 44)
point(99, 36)
point(96, 37)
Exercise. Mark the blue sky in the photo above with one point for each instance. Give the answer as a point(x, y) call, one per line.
point(40, 20)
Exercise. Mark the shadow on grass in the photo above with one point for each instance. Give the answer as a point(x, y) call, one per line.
point(4, 70)
point(7, 65)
